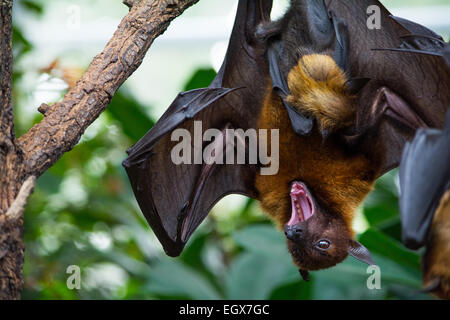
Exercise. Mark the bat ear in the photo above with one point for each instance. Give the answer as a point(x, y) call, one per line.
point(358, 251)
point(304, 274)
point(355, 85)
point(342, 42)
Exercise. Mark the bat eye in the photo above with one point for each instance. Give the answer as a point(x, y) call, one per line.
point(323, 245)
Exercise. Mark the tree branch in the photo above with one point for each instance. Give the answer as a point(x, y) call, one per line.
point(66, 121)
point(15, 211)
point(6, 62)
point(128, 3)
point(10, 155)
point(11, 168)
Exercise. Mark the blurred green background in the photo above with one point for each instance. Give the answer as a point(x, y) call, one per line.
point(83, 212)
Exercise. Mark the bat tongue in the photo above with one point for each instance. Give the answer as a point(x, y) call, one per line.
point(301, 203)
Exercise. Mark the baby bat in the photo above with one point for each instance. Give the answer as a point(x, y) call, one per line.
point(343, 111)
point(425, 204)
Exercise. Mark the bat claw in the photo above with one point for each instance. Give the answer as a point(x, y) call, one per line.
point(304, 274)
point(432, 286)
point(180, 221)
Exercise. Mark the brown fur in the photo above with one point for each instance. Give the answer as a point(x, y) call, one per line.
point(437, 258)
point(318, 88)
point(339, 180)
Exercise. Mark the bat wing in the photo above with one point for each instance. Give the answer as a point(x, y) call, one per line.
point(175, 198)
point(424, 178)
point(406, 91)
point(301, 124)
point(421, 40)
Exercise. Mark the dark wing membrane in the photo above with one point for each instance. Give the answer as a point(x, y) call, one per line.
point(176, 198)
point(423, 81)
point(415, 28)
point(186, 106)
point(301, 124)
point(421, 40)
point(424, 178)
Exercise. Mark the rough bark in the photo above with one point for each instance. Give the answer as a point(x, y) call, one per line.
point(11, 168)
point(65, 121)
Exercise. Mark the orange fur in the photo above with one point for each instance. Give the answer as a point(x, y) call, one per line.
point(437, 258)
point(317, 87)
point(338, 180)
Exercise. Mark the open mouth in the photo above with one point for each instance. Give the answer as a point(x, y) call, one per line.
point(301, 202)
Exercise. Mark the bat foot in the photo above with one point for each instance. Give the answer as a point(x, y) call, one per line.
point(304, 274)
point(439, 287)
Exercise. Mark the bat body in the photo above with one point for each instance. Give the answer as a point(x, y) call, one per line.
point(425, 204)
point(343, 111)
point(436, 271)
point(317, 189)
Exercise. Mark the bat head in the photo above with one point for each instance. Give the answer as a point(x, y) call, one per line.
point(316, 238)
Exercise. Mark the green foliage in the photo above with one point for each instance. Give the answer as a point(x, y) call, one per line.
point(32, 6)
point(130, 115)
point(200, 79)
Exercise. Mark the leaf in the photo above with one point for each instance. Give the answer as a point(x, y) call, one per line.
point(324, 289)
point(382, 204)
point(255, 276)
point(192, 253)
point(379, 213)
point(264, 239)
point(21, 45)
point(385, 246)
point(49, 182)
point(298, 290)
point(348, 280)
point(32, 6)
point(202, 78)
point(392, 228)
point(355, 273)
point(172, 278)
point(193, 256)
point(130, 115)
point(131, 265)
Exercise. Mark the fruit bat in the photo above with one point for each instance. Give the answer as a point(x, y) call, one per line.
point(425, 204)
point(340, 103)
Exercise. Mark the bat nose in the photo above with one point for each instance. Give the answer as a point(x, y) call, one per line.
point(293, 233)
